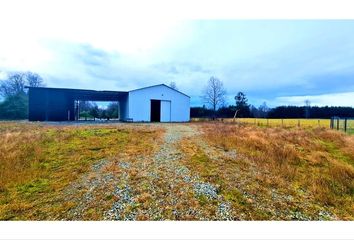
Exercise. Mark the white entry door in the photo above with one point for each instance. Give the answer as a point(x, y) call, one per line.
point(165, 111)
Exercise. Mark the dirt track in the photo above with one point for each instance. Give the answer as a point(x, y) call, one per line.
point(165, 180)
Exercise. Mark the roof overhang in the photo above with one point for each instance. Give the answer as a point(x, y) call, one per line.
point(84, 94)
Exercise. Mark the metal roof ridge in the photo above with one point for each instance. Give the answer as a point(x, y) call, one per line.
point(161, 84)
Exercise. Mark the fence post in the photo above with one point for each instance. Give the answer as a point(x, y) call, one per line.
point(337, 123)
point(345, 125)
point(298, 123)
point(331, 123)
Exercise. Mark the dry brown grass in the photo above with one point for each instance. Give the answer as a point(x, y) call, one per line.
point(277, 173)
point(38, 162)
point(314, 166)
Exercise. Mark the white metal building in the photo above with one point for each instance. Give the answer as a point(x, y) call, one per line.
point(158, 103)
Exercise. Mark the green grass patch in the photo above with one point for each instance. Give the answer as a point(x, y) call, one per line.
point(234, 196)
point(336, 153)
point(203, 200)
point(200, 158)
point(33, 188)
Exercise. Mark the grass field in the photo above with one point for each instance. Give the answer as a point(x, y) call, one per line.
point(288, 123)
point(192, 171)
point(294, 171)
point(38, 162)
point(279, 122)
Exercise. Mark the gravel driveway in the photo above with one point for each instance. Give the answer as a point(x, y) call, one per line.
point(158, 187)
point(167, 168)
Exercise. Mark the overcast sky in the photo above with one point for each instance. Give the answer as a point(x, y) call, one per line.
point(282, 62)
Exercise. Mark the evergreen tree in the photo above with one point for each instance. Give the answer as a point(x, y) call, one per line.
point(242, 106)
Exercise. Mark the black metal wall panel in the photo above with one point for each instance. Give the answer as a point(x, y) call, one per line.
point(56, 104)
point(36, 105)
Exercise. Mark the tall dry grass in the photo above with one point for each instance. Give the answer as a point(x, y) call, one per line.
point(318, 161)
point(38, 162)
point(19, 149)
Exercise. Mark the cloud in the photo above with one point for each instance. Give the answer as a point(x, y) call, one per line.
point(267, 60)
point(83, 65)
point(334, 99)
point(181, 68)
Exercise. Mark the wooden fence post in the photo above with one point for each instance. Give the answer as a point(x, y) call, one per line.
point(298, 123)
point(337, 123)
point(345, 125)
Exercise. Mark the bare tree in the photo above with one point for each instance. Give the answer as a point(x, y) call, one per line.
point(173, 85)
point(214, 94)
point(16, 82)
point(307, 108)
point(13, 85)
point(263, 110)
point(34, 79)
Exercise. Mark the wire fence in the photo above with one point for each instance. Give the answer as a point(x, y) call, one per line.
point(270, 122)
point(336, 123)
point(343, 124)
point(287, 122)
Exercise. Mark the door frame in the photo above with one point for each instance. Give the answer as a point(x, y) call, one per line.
point(159, 114)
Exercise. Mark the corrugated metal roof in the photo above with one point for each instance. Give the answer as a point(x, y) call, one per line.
point(105, 91)
point(77, 90)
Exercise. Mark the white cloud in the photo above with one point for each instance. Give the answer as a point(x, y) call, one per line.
point(27, 26)
point(63, 40)
point(335, 99)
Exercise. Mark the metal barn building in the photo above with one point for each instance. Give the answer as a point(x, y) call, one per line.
point(158, 103)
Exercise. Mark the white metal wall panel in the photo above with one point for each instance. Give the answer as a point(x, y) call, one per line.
point(165, 111)
point(139, 103)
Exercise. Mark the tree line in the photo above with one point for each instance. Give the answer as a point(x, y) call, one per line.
point(14, 104)
point(214, 98)
point(90, 110)
point(277, 112)
point(310, 112)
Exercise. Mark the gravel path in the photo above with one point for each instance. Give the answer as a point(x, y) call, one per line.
point(172, 191)
point(177, 181)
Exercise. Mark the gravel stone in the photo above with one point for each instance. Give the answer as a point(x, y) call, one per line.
point(98, 166)
point(224, 211)
point(125, 200)
point(299, 216)
point(324, 215)
point(124, 165)
point(205, 189)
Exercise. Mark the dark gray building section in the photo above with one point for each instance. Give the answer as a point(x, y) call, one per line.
point(60, 104)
